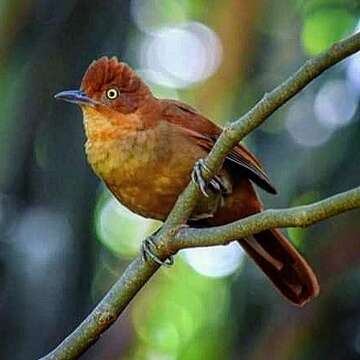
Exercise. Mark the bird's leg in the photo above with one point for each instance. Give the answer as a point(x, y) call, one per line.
point(147, 251)
point(216, 183)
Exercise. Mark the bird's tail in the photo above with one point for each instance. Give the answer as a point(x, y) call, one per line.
point(282, 263)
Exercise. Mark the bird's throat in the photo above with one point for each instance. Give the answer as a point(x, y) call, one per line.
point(117, 146)
point(107, 125)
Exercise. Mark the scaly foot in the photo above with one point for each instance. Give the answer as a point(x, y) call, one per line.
point(197, 176)
point(147, 248)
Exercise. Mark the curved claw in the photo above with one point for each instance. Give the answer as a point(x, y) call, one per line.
point(198, 178)
point(147, 253)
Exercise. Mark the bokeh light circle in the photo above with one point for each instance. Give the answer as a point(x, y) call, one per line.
point(301, 125)
point(353, 67)
point(119, 229)
point(215, 261)
point(182, 55)
point(335, 104)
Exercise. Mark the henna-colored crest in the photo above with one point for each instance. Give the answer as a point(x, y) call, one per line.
point(107, 72)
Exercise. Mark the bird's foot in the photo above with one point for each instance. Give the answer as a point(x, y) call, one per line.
point(215, 184)
point(147, 252)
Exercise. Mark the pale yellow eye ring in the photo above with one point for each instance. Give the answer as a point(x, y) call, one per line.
point(112, 93)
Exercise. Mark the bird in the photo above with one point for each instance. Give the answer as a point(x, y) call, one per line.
point(146, 150)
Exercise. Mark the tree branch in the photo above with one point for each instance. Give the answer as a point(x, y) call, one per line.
point(236, 131)
point(139, 272)
point(301, 216)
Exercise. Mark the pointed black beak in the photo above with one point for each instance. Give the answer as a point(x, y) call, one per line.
point(75, 97)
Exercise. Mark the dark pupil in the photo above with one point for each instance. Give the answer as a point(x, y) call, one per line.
point(112, 93)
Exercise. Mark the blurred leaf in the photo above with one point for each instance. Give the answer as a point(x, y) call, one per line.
point(296, 236)
point(310, 6)
point(322, 28)
point(182, 316)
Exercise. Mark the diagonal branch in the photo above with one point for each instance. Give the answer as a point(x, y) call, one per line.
point(235, 132)
point(139, 272)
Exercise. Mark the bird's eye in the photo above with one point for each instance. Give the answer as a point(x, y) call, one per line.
point(112, 93)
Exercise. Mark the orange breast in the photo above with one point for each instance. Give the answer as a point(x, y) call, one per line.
point(145, 169)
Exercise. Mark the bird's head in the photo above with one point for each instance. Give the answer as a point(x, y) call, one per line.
point(109, 85)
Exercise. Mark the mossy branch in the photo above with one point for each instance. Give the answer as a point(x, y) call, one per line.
point(171, 238)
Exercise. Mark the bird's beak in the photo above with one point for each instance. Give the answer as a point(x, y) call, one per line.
point(76, 97)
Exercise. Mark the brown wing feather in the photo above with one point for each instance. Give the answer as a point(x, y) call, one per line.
point(206, 133)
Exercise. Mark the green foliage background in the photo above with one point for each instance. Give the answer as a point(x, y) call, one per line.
point(64, 240)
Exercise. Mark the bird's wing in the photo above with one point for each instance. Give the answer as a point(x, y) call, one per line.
point(206, 133)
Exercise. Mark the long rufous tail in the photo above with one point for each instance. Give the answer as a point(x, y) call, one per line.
point(282, 263)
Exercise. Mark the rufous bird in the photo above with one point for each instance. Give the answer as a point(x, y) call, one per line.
point(145, 148)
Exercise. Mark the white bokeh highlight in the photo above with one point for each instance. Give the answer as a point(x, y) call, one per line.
point(301, 126)
point(215, 261)
point(119, 229)
point(353, 67)
point(180, 56)
point(335, 104)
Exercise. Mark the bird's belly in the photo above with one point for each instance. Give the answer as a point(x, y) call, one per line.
point(150, 192)
point(144, 203)
point(147, 176)
point(155, 197)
